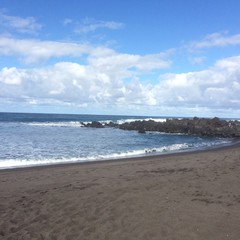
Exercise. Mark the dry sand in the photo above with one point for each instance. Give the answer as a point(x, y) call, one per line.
point(178, 197)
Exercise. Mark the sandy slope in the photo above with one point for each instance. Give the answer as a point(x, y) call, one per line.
point(178, 197)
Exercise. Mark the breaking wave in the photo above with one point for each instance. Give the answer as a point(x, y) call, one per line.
point(18, 163)
point(56, 124)
point(81, 124)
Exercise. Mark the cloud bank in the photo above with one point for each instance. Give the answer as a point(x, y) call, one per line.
point(86, 75)
point(68, 83)
point(32, 51)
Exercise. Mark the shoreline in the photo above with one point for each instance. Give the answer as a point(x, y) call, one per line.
point(234, 143)
point(183, 196)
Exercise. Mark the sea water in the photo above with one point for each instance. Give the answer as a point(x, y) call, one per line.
point(42, 139)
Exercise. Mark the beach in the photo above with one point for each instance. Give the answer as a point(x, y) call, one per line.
point(194, 195)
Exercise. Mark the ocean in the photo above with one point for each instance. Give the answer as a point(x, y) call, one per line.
point(41, 139)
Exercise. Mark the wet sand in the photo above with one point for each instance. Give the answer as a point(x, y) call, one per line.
point(188, 196)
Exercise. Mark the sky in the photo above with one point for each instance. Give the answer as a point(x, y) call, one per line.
point(129, 57)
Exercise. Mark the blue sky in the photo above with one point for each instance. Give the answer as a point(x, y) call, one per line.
point(164, 58)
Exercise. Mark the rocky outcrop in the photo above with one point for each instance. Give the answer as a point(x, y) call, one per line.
point(197, 126)
point(94, 124)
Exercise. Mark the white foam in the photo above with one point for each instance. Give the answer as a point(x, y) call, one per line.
point(122, 121)
point(156, 119)
point(56, 124)
point(132, 153)
point(105, 122)
point(81, 124)
point(18, 163)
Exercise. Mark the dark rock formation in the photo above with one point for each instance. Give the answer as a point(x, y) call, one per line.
point(197, 126)
point(112, 124)
point(94, 124)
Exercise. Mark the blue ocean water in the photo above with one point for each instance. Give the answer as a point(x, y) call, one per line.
point(40, 139)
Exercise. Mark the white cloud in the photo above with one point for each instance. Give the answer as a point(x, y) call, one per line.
point(34, 51)
point(216, 40)
point(11, 76)
point(126, 64)
point(111, 78)
point(216, 87)
point(19, 24)
point(66, 83)
point(91, 25)
point(69, 83)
